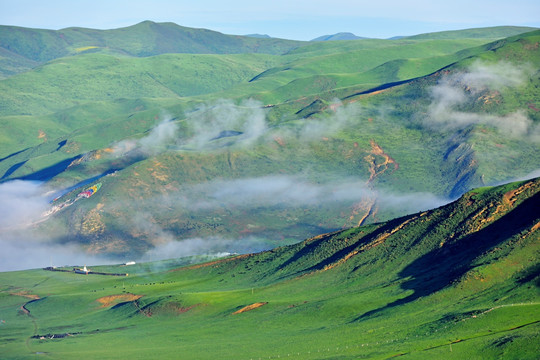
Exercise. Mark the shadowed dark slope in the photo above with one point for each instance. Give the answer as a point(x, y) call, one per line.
point(441, 267)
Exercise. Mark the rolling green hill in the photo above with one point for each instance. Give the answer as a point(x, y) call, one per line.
point(144, 39)
point(363, 128)
point(316, 69)
point(69, 81)
point(491, 32)
point(23, 48)
point(338, 36)
point(459, 281)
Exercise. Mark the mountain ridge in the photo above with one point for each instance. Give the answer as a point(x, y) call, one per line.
point(338, 36)
point(140, 40)
point(150, 38)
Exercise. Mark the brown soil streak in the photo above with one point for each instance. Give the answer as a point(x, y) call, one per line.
point(367, 206)
point(250, 307)
point(106, 301)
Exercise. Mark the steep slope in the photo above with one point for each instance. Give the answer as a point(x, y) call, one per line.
point(458, 281)
point(484, 109)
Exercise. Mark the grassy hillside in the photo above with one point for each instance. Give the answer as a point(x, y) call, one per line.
point(338, 36)
point(204, 143)
point(60, 85)
point(476, 137)
point(22, 49)
point(24, 45)
point(70, 81)
point(491, 32)
point(316, 69)
point(11, 64)
point(369, 136)
point(454, 282)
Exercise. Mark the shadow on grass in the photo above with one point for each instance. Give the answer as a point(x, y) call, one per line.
point(12, 169)
point(13, 154)
point(439, 268)
point(51, 171)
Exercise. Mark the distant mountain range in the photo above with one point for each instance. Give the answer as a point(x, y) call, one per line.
point(260, 36)
point(338, 36)
point(502, 31)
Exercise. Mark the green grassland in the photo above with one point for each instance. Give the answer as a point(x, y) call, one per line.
point(460, 281)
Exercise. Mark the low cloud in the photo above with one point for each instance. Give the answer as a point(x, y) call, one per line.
point(454, 92)
point(157, 141)
point(316, 127)
point(344, 116)
point(21, 251)
point(276, 190)
point(531, 175)
point(247, 121)
point(23, 244)
point(230, 199)
point(161, 135)
point(144, 223)
point(224, 123)
point(411, 202)
point(208, 246)
point(22, 203)
point(242, 124)
point(295, 191)
point(481, 76)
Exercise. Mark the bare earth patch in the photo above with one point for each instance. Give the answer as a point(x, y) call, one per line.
point(110, 300)
point(25, 294)
point(250, 307)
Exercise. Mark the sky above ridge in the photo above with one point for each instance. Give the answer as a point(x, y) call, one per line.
point(297, 19)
